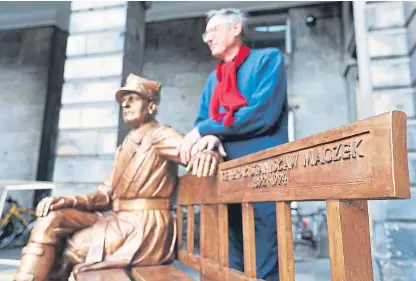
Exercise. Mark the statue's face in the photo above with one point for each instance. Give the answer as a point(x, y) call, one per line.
point(136, 110)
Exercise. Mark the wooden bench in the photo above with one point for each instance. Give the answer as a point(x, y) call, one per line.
point(345, 167)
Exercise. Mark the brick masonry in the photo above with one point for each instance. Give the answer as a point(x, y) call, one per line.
point(393, 73)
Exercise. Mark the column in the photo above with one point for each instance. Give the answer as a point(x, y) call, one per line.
point(105, 44)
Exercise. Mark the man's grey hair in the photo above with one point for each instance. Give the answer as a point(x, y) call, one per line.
point(232, 15)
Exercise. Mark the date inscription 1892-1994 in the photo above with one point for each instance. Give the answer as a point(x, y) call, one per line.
point(275, 172)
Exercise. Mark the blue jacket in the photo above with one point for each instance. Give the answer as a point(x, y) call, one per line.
point(264, 122)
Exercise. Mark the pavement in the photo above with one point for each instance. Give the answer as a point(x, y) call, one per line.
point(307, 270)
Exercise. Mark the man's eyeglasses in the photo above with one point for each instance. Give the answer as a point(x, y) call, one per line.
point(212, 30)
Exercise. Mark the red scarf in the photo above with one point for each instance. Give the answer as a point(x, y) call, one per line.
point(226, 92)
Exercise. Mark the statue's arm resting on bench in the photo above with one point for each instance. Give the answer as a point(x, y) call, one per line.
point(99, 200)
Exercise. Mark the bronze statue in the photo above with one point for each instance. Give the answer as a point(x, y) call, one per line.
point(74, 234)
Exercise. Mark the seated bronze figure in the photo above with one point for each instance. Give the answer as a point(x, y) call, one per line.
point(77, 234)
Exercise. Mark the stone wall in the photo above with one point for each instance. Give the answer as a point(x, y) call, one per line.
point(30, 77)
point(316, 82)
point(391, 29)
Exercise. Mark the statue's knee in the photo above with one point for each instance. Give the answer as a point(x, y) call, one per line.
point(49, 222)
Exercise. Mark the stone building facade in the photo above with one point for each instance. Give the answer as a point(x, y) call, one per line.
point(61, 64)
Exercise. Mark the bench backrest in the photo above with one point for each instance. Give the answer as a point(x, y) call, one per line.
point(345, 167)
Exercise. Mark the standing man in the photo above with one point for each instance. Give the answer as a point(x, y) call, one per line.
point(243, 107)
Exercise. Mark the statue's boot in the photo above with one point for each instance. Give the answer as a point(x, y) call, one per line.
point(36, 263)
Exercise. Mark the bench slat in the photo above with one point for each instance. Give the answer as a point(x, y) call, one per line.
point(104, 275)
point(249, 240)
point(190, 240)
point(285, 241)
point(349, 240)
point(179, 215)
point(223, 233)
point(158, 273)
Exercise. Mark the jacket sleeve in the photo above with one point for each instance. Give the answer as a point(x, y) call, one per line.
point(264, 106)
point(203, 113)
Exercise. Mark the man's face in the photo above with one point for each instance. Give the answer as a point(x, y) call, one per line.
point(135, 109)
point(221, 35)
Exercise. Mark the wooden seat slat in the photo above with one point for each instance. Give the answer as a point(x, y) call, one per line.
point(285, 241)
point(249, 242)
point(158, 273)
point(104, 275)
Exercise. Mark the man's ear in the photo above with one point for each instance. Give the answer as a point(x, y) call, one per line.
point(152, 107)
point(237, 28)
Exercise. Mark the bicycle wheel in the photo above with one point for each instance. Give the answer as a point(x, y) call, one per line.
point(7, 234)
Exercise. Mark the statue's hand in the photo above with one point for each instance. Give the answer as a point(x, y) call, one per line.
point(48, 204)
point(204, 163)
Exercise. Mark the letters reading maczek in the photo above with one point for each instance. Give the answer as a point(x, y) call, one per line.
point(274, 172)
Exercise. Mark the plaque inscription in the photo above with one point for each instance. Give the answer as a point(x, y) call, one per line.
point(276, 172)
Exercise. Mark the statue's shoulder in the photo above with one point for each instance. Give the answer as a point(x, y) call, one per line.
point(163, 132)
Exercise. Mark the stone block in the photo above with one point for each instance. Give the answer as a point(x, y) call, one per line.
point(90, 91)
point(88, 5)
point(97, 142)
point(76, 45)
point(411, 33)
point(100, 117)
point(388, 43)
point(398, 270)
point(81, 169)
point(377, 15)
point(93, 67)
point(390, 73)
point(103, 42)
point(94, 20)
point(387, 100)
point(71, 189)
point(392, 210)
point(411, 136)
point(395, 240)
point(70, 118)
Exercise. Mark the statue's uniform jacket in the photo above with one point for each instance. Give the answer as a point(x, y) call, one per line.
point(145, 167)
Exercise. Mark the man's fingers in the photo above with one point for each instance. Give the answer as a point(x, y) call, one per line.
point(211, 145)
point(213, 167)
point(194, 151)
point(221, 150)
